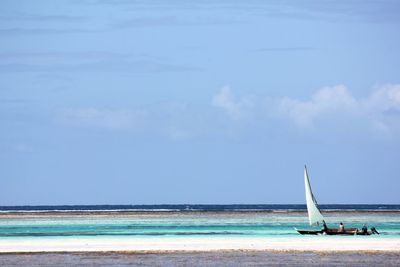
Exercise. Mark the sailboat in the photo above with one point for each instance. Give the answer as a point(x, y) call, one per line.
point(315, 217)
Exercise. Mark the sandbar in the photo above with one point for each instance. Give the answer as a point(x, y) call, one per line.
point(192, 244)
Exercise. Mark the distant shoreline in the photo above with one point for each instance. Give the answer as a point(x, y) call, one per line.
point(199, 207)
point(11, 214)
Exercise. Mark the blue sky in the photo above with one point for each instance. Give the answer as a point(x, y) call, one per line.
point(152, 102)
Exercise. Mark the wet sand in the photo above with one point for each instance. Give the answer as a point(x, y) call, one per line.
point(218, 258)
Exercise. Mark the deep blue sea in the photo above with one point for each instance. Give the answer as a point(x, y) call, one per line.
point(197, 207)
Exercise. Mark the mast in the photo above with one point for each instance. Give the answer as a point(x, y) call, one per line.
point(314, 214)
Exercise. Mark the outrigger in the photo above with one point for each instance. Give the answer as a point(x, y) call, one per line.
point(315, 217)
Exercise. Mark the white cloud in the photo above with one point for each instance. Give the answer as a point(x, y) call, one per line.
point(380, 109)
point(105, 118)
point(173, 120)
point(384, 99)
point(236, 109)
point(336, 99)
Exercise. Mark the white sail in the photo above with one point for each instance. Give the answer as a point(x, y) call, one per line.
point(314, 214)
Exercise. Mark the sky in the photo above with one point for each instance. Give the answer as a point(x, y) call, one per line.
point(199, 102)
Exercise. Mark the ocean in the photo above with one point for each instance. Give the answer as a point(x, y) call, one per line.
point(180, 221)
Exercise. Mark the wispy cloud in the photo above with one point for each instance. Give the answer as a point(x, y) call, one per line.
point(170, 21)
point(236, 108)
point(371, 11)
point(172, 120)
point(381, 109)
point(334, 99)
point(177, 133)
point(286, 49)
point(132, 67)
point(113, 119)
point(89, 61)
point(147, 22)
point(385, 99)
point(22, 148)
point(42, 18)
point(43, 57)
point(39, 31)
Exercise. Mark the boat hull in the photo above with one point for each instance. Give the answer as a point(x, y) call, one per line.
point(310, 232)
point(350, 231)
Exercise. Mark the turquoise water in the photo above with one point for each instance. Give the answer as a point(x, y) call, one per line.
point(185, 224)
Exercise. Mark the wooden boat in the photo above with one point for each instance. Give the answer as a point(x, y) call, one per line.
point(316, 219)
point(348, 231)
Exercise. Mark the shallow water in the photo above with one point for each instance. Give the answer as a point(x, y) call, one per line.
point(224, 224)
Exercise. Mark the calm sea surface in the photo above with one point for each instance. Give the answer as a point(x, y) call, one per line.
point(164, 221)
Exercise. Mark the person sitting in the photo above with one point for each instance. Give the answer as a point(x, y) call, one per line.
point(364, 229)
point(341, 228)
point(325, 228)
point(374, 231)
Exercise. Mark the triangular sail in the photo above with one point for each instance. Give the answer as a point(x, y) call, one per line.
point(314, 214)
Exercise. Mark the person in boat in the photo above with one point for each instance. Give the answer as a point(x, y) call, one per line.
point(364, 229)
point(374, 231)
point(341, 228)
point(325, 228)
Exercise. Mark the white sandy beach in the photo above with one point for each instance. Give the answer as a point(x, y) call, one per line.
point(321, 244)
